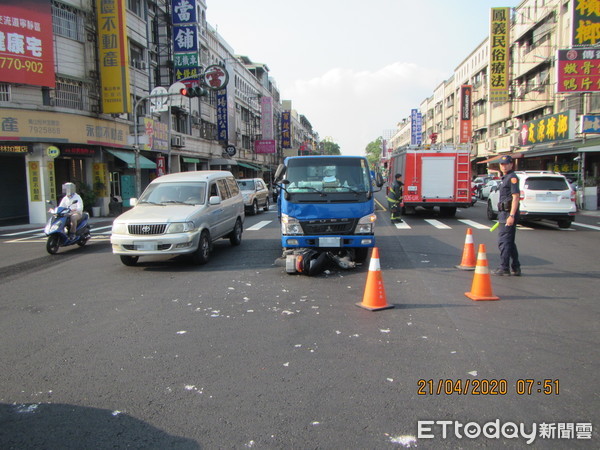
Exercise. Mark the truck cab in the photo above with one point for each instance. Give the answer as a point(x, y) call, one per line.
point(326, 203)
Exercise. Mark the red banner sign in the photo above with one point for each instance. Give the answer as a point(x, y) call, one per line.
point(578, 70)
point(466, 116)
point(26, 51)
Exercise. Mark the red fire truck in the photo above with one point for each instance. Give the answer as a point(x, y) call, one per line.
point(433, 175)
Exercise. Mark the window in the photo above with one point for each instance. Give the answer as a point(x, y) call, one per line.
point(136, 56)
point(233, 186)
point(67, 22)
point(71, 94)
point(136, 7)
point(223, 189)
point(4, 92)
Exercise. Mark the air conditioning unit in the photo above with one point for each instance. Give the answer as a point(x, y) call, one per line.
point(176, 141)
point(520, 92)
point(514, 140)
point(93, 74)
point(501, 131)
point(96, 109)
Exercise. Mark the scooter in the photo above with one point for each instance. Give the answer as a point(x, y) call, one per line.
point(57, 230)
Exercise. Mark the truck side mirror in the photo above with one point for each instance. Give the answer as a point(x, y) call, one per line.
point(378, 179)
point(280, 172)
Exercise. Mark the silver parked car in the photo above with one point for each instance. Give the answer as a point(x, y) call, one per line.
point(180, 213)
point(485, 190)
point(255, 194)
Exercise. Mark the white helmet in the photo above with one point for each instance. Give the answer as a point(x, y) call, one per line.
point(69, 188)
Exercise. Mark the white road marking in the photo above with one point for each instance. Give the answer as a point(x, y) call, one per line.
point(584, 225)
point(23, 232)
point(259, 225)
point(437, 224)
point(470, 223)
point(402, 225)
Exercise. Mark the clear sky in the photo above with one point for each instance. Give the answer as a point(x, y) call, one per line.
point(355, 68)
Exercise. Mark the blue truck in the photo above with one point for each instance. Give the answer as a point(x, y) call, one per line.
point(327, 208)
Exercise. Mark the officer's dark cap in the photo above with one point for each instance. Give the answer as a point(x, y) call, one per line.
point(506, 159)
point(398, 175)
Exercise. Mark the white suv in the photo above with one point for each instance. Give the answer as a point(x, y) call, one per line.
point(180, 213)
point(544, 195)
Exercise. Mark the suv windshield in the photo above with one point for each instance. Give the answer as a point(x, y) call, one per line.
point(189, 193)
point(546, 184)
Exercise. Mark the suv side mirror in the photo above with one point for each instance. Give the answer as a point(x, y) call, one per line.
point(214, 200)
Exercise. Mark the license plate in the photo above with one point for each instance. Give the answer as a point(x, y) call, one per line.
point(146, 246)
point(546, 197)
point(330, 242)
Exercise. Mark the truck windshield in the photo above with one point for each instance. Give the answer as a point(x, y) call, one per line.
point(328, 175)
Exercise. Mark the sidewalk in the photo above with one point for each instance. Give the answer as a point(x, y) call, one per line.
point(33, 226)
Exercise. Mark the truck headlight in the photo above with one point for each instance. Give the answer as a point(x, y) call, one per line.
point(366, 224)
point(119, 228)
point(180, 227)
point(290, 225)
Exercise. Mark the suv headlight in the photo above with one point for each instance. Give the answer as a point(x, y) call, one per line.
point(119, 228)
point(290, 225)
point(366, 224)
point(180, 227)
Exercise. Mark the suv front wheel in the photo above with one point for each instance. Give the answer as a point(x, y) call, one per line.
point(564, 223)
point(491, 215)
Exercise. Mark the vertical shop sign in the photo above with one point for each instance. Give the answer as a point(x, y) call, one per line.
point(113, 56)
point(578, 70)
point(416, 127)
point(26, 51)
point(222, 129)
point(160, 166)
point(100, 174)
point(186, 60)
point(266, 121)
point(465, 116)
point(286, 130)
point(499, 54)
point(35, 185)
point(586, 22)
point(52, 181)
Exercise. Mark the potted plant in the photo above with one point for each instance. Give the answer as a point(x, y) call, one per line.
point(88, 195)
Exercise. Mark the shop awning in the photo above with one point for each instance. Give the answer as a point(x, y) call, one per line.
point(190, 160)
point(129, 159)
point(491, 160)
point(223, 162)
point(247, 166)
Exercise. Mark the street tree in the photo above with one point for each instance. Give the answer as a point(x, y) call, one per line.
point(330, 148)
point(373, 152)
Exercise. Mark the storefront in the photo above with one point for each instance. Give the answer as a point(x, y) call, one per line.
point(14, 206)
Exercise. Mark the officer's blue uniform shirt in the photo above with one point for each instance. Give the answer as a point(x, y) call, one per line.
point(508, 186)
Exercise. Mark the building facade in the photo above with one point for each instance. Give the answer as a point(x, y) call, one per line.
point(92, 97)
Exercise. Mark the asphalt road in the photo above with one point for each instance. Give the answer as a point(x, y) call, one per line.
point(240, 354)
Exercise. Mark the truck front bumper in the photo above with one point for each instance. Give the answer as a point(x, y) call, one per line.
point(361, 240)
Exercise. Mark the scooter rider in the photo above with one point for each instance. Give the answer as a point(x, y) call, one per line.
point(73, 201)
point(394, 198)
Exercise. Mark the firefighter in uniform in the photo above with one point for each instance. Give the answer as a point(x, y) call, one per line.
point(394, 198)
point(508, 216)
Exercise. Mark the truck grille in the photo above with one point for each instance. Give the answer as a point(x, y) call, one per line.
point(328, 226)
point(146, 230)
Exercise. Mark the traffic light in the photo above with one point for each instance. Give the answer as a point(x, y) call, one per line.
point(193, 92)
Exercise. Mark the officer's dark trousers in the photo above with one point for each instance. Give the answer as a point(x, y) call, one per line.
point(508, 248)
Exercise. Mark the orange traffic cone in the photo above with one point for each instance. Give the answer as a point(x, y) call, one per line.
point(468, 257)
point(482, 284)
point(374, 296)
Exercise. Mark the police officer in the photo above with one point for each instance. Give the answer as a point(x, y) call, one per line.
point(508, 216)
point(394, 198)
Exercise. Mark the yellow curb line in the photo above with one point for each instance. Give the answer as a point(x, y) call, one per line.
point(382, 207)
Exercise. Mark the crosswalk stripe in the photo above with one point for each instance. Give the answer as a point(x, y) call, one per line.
point(259, 225)
point(585, 225)
point(402, 225)
point(474, 224)
point(437, 224)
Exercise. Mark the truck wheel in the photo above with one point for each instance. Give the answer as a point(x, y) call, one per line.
point(449, 211)
point(201, 255)
point(361, 254)
point(129, 260)
point(491, 215)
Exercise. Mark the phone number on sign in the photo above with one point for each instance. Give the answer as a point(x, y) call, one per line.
point(468, 386)
point(17, 64)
